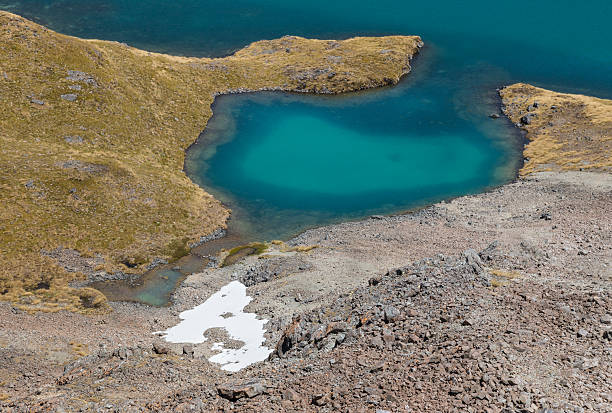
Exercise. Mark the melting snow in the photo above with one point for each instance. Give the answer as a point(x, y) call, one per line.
point(224, 309)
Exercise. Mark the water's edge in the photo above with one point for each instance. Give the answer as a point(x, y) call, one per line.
point(132, 290)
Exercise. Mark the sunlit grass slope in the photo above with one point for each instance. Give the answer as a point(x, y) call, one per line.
point(565, 131)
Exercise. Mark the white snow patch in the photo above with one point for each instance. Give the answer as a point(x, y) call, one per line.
point(217, 346)
point(224, 309)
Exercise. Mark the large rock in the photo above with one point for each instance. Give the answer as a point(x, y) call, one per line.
point(391, 314)
point(473, 260)
point(526, 119)
point(161, 348)
point(235, 391)
point(70, 97)
point(78, 76)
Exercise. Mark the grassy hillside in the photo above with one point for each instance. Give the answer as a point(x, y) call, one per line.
point(565, 131)
point(93, 135)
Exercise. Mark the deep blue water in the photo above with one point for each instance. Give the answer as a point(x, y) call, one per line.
point(561, 43)
point(554, 42)
point(286, 162)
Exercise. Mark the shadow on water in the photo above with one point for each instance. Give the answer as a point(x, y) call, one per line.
point(155, 287)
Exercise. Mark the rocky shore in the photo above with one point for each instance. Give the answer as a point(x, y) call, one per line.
point(496, 302)
point(484, 303)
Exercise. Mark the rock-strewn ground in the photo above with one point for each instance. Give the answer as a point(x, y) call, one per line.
point(494, 301)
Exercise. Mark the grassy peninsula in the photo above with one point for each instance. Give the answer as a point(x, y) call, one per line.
point(93, 135)
point(565, 131)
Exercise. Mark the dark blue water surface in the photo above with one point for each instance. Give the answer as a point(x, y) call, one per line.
point(286, 162)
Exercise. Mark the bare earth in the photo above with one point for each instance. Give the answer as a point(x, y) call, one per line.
point(524, 324)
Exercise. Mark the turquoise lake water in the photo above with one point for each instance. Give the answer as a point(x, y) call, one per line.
point(287, 162)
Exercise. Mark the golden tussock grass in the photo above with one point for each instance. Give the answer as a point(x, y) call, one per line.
point(237, 253)
point(79, 349)
point(567, 131)
point(502, 277)
point(504, 273)
point(300, 248)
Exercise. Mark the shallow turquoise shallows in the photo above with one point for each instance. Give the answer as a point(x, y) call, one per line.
point(317, 158)
point(286, 162)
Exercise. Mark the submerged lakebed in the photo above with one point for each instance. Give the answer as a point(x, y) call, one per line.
point(287, 162)
point(284, 163)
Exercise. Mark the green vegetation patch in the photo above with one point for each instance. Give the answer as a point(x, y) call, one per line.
point(236, 254)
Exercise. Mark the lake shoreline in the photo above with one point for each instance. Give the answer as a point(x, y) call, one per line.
point(496, 301)
point(513, 283)
point(127, 172)
point(536, 246)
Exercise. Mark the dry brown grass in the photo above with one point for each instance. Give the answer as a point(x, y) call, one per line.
point(568, 132)
point(237, 253)
point(502, 277)
point(79, 349)
point(103, 174)
point(299, 248)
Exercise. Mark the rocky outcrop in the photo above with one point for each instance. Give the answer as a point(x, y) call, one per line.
point(493, 302)
point(236, 391)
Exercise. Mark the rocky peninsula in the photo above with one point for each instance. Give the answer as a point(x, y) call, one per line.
point(565, 131)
